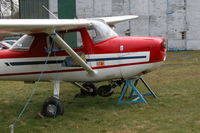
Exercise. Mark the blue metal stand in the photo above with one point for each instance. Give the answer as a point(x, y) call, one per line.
point(138, 97)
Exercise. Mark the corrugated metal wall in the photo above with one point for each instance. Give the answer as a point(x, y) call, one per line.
point(33, 9)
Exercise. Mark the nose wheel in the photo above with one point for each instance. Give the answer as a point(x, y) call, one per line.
point(108, 90)
point(86, 89)
point(89, 89)
point(105, 90)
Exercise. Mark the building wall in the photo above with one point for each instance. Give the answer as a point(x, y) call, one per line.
point(176, 20)
point(176, 24)
point(53, 7)
point(193, 20)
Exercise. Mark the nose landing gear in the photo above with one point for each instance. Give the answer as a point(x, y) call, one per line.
point(105, 90)
point(86, 89)
point(89, 89)
point(108, 90)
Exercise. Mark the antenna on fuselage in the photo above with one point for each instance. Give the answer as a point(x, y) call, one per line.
point(49, 12)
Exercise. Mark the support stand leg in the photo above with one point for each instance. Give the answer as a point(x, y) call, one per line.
point(147, 86)
point(138, 99)
point(135, 84)
point(125, 86)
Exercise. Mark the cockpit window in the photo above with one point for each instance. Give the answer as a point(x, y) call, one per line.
point(101, 31)
point(24, 43)
point(72, 38)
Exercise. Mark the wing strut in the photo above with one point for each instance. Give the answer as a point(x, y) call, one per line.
point(72, 53)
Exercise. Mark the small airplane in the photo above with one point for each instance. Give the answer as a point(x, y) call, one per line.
point(100, 55)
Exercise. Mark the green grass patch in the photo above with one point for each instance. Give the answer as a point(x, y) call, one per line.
point(176, 110)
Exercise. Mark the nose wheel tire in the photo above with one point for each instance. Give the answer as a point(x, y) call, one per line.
point(52, 107)
point(105, 90)
point(90, 90)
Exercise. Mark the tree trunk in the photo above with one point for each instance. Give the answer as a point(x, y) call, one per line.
point(12, 8)
point(1, 12)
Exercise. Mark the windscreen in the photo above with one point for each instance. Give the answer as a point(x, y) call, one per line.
point(102, 31)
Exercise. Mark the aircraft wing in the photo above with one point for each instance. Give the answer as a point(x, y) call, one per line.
point(49, 26)
point(116, 19)
point(27, 26)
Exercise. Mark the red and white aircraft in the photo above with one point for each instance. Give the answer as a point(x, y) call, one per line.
point(42, 53)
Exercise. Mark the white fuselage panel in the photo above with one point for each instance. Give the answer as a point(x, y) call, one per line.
point(107, 66)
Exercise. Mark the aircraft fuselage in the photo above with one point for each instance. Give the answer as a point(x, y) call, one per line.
point(115, 58)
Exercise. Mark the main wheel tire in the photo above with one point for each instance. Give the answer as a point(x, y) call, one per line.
point(52, 107)
point(105, 91)
point(91, 89)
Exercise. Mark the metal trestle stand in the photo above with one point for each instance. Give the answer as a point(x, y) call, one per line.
point(135, 95)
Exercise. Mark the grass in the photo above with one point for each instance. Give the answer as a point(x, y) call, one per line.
point(177, 110)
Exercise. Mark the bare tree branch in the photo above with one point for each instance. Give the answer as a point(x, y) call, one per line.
point(9, 8)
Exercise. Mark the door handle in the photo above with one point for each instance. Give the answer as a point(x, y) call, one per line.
point(121, 48)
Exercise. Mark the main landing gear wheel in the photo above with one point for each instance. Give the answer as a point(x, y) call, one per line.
point(52, 107)
point(105, 90)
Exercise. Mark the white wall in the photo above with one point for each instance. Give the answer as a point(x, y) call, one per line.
point(162, 18)
point(193, 20)
point(53, 7)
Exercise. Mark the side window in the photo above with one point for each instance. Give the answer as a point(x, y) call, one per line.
point(73, 39)
point(24, 43)
point(79, 40)
point(52, 46)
